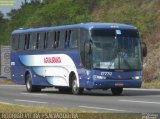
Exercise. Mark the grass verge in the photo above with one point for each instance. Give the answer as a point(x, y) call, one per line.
point(13, 108)
point(38, 112)
point(6, 81)
point(151, 85)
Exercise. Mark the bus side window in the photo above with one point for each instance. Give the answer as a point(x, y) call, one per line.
point(50, 43)
point(65, 43)
point(37, 40)
point(41, 41)
point(45, 40)
point(62, 39)
point(32, 44)
point(67, 39)
point(27, 40)
point(15, 41)
point(74, 39)
point(56, 39)
point(21, 42)
point(58, 36)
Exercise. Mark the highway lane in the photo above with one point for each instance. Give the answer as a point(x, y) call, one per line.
point(131, 101)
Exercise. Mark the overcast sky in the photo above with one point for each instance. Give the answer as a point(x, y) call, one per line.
point(6, 9)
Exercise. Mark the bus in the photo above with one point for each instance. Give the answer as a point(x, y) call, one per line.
point(77, 57)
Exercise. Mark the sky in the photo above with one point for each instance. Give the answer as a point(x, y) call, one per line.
point(7, 9)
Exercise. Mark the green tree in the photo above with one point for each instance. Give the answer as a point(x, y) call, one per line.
point(12, 13)
point(1, 15)
point(3, 23)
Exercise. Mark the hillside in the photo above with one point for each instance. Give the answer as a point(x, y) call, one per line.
point(144, 14)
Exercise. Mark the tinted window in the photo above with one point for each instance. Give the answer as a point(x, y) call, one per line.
point(26, 41)
point(37, 40)
point(62, 39)
point(67, 39)
point(41, 41)
point(74, 38)
point(32, 43)
point(46, 40)
point(21, 42)
point(56, 39)
point(130, 33)
point(51, 37)
point(103, 32)
point(15, 42)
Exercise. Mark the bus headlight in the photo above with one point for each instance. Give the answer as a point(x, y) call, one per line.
point(99, 77)
point(137, 77)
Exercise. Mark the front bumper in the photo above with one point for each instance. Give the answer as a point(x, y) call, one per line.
point(104, 84)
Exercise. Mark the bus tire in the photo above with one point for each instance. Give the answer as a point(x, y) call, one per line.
point(29, 86)
point(117, 91)
point(75, 89)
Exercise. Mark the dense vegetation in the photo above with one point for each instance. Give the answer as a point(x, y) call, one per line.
point(144, 14)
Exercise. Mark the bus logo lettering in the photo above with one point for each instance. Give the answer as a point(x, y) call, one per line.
point(52, 60)
point(106, 73)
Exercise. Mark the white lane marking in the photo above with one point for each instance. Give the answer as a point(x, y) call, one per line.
point(33, 94)
point(135, 101)
point(18, 100)
point(108, 109)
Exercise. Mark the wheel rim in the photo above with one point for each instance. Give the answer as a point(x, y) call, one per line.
point(28, 83)
point(74, 86)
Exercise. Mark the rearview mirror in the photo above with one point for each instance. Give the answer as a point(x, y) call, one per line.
point(144, 49)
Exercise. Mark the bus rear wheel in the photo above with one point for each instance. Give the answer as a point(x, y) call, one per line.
point(117, 91)
point(29, 86)
point(75, 89)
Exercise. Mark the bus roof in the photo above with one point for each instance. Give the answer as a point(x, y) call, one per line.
point(88, 26)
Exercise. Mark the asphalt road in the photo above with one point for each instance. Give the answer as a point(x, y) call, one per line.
point(131, 101)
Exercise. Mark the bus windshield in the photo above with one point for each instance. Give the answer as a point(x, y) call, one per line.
point(116, 49)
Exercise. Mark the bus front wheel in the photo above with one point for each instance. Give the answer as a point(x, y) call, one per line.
point(75, 89)
point(29, 86)
point(117, 91)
